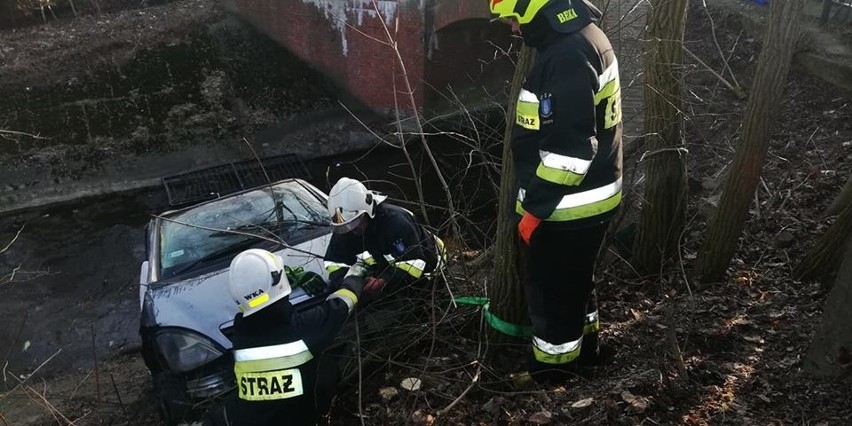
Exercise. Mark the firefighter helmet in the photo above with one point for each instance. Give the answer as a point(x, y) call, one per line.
point(256, 280)
point(349, 201)
point(522, 10)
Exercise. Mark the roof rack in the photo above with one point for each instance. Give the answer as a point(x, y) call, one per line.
point(217, 181)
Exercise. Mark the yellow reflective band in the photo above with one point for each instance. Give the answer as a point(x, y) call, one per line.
point(273, 352)
point(610, 89)
point(580, 212)
point(280, 363)
point(442, 251)
point(547, 358)
point(565, 162)
point(270, 385)
point(526, 111)
point(259, 300)
point(413, 267)
point(556, 354)
point(588, 210)
point(612, 115)
point(331, 267)
point(591, 328)
point(347, 296)
point(558, 176)
point(366, 258)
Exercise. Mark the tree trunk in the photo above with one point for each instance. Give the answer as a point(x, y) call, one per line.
point(664, 204)
point(821, 262)
point(763, 105)
point(831, 350)
point(508, 301)
point(842, 200)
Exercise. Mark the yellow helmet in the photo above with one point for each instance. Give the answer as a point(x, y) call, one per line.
point(522, 10)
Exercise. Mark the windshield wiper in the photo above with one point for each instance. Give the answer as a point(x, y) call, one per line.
point(218, 254)
point(257, 228)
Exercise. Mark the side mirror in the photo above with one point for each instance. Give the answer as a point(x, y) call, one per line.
point(144, 274)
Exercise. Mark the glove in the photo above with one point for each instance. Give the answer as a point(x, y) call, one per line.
point(527, 226)
point(353, 283)
point(373, 284)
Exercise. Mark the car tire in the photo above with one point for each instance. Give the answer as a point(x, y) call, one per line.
point(172, 403)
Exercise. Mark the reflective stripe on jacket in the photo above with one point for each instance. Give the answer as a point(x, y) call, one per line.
point(271, 372)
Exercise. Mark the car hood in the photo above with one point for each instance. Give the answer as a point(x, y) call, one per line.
point(204, 304)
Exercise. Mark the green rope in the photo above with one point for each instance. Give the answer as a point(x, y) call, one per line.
point(494, 321)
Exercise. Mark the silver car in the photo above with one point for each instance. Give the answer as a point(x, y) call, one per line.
point(186, 310)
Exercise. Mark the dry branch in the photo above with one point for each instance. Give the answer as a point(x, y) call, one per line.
point(18, 234)
point(737, 90)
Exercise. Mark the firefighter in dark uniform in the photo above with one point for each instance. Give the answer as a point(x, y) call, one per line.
point(566, 144)
point(281, 375)
point(385, 239)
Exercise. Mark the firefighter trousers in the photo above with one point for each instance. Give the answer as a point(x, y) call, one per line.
point(559, 284)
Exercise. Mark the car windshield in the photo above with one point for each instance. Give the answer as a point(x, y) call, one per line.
point(218, 230)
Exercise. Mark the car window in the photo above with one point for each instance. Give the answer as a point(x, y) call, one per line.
point(201, 235)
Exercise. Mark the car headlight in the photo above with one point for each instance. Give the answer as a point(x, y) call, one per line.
point(185, 350)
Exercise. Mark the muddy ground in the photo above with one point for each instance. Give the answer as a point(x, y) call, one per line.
point(115, 101)
point(742, 341)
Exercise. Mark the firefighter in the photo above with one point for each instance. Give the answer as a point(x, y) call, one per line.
point(566, 144)
point(281, 374)
point(385, 238)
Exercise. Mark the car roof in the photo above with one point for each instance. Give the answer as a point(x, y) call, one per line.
point(176, 212)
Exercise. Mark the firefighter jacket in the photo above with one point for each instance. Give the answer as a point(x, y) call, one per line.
point(567, 134)
point(393, 246)
point(281, 376)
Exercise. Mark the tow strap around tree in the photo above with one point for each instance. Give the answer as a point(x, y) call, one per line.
point(494, 321)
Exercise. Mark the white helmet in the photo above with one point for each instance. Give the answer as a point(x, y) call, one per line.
point(348, 201)
point(256, 280)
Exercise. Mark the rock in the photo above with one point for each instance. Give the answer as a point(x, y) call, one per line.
point(420, 418)
point(541, 418)
point(411, 384)
point(493, 405)
point(639, 404)
point(388, 393)
point(583, 403)
point(542, 397)
point(784, 239)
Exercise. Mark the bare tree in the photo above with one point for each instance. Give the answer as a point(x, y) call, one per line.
point(508, 301)
point(821, 262)
point(664, 206)
point(842, 200)
point(830, 352)
point(773, 66)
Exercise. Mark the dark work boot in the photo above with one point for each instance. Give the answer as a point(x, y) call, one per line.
point(552, 374)
point(593, 353)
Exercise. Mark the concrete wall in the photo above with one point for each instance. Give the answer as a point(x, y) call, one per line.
point(347, 40)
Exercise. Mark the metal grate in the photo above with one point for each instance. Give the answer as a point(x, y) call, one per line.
point(217, 181)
